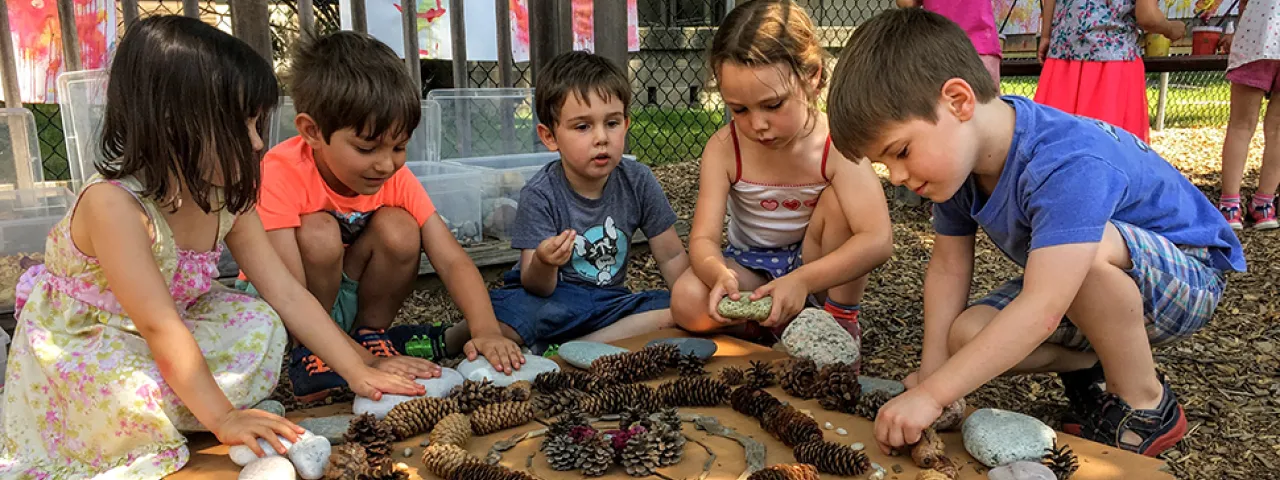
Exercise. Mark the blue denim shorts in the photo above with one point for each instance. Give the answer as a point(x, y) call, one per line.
point(572, 311)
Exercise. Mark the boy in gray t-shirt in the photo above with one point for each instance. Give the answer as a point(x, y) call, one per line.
point(577, 217)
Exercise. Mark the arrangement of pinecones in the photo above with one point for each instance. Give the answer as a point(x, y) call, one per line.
point(347, 462)
point(671, 418)
point(615, 398)
point(786, 471)
point(375, 436)
point(632, 415)
point(453, 429)
point(840, 389)
point(640, 455)
point(500, 416)
point(552, 382)
point(443, 460)
point(927, 452)
point(472, 394)
point(752, 402)
point(790, 426)
point(631, 367)
point(761, 375)
point(548, 405)
point(800, 379)
point(691, 365)
point(732, 376)
point(418, 415)
point(564, 424)
point(869, 405)
point(693, 392)
point(671, 443)
point(562, 453)
point(833, 458)
point(597, 455)
point(484, 471)
point(1061, 460)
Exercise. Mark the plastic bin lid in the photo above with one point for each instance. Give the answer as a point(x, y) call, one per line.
point(82, 95)
point(421, 145)
point(20, 164)
point(478, 122)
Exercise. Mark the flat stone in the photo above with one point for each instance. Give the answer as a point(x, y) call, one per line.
point(869, 384)
point(1021, 471)
point(480, 369)
point(998, 437)
point(580, 354)
point(828, 426)
point(858, 446)
point(815, 335)
point(269, 468)
point(700, 347)
point(310, 456)
point(745, 309)
point(436, 387)
point(242, 455)
point(332, 428)
point(842, 432)
point(408, 452)
point(271, 406)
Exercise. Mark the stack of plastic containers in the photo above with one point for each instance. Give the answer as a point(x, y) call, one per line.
point(82, 96)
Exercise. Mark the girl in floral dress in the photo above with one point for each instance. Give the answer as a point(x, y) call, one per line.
point(124, 337)
point(1253, 69)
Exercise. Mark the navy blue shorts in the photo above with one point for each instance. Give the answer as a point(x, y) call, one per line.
point(572, 311)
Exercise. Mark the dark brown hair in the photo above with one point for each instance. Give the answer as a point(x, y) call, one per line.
point(178, 95)
point(351, 80)
point(771, 32)
point(580, 74)
point(892, 70)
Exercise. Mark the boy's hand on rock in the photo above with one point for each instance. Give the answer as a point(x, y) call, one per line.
point(556, 250)
point(371, 383)
point(245, 427)
point(726, 285)
point(789, 295)
point(500, 351)
point(407, 366)
point(901, 420)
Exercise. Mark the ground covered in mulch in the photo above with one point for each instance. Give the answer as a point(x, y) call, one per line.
point(1225, 376)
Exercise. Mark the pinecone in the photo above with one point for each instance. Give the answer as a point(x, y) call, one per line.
point(375, 436)
point(693, 392)
point(671, 418)
point(668, 354)
point(499, 416)
point(597, 455)
point(840, 388)
point(732, 376)
point(562, 453)
point(548, 405)
point(347, 462)
point(869, 405)
point(761, 375)
point(631, 367)
point(752, 402)
point(453, 429)
point(833, 458)
point(418, 415)
point(393, 471)
point(789, 425)
point(671, 442)
point(944, 469)
point(691, 365)
point(472, 395)
point(552, 382)
point(926, 452)
point(800, 379)
point(483, 471)
point(1061, 460)
point(640, 456)
point(571, 418)
point(787, 471)
point(614, 398)
point(632, 414)
point(520, 391)
point(442, 460)
point(382, 467)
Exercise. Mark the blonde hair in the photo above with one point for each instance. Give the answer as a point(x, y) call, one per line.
point(772, 32)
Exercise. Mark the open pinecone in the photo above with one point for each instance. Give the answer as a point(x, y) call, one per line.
point(671, 444)
point(944, 469)
point(552, 382)
point(632, 414)
point(418, 415)
point(833, 458)
point(752, 402)
point(571, 418)
point(787, 471)
point(800, 379)
point(519, 391)
point(691, 365)
point(453, 429)
point(666, 353)
point(347, 462)
point(472, 395)
point(869, 405)
point(382, 468)
point(499, 416)
point(926, 452)
point(548, 405)
point(484, 471)
point(671, 418)
point(631, 367)
point(375, 436)
point(840, 388)
point(693, 392)
point(1061, 460)
point(789, 425)
point(733, 376)
point(614, 398)
point(640, 456)
point(562, 453)
point(392, 471)
point(761, 375)
point(597, 455)
point(442, 460)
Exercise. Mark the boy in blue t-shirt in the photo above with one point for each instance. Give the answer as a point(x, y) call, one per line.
point(1119, 250)
point(577, 216)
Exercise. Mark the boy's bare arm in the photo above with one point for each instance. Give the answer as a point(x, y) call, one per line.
point(460, 276)
point(946, 291)
point(669, 252)
point(540, 267)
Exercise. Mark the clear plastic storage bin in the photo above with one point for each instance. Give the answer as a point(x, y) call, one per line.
point(26, 216)
point(283, 127)
point(453, 190)
point(482, 122)
point(82, 96)
point(20, 165)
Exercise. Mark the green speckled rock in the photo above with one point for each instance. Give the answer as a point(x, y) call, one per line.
point(744, 308)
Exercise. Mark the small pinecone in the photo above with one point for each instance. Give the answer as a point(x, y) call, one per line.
point(418, 415)
point(442, 460)
point(671, 418)
point(693, 392)
point(671, 442)
point(926, 452)
point(520, 391)
point(453, 429)
point(800, 379)
point(789, 425)
point(347, 462)
point(1061, 460)
point(787, 471)
point(382, 467)
point(597, 455)
point(691, 365)
point(472, 395)
point(375, 436)
point(484, 471)
point(840, 388)
point(614, 399)
point(393, 471)
point(631, 367)
point(761, 375)
point(732, 376)
point(499, 416)
point(562, 453)
point(640, 456)
point(752, 402)
point(944, 469)
point(632, 414)
point(571, 418)
point(833, 458)
point(869, 405)
point(552, 382)
point(668, 354)
point(548, 405)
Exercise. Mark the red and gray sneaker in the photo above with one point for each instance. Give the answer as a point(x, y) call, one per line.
point(1231, 212)
point(1147, 432)
point(1263, 215)
point(1084, 389)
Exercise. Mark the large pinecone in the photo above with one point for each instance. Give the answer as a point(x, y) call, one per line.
point(926, 452)
point(499, 416)
point(632, 414)
point(614, 399)
point(453, 429)
point(631, 367)
point(800, 379)
point(472, 395)
point(752, 402)
point(520, 391)
point(671, 418)
point(552, 382)
point(840, 388)
point(442, 460)
point(732, 376)
point(666, 353)
point(1061, 460)
point(691, 365)
point(375, 436)
point(671, 442)
point(789, 425)
point(347, 462)
point(548, 405)
point(562, 453)
point(640, 456)
point(418, 415)
point(484, 471)
point(693, 392)
point(597, 455)
point(787, 471)
point(833, 458)
point(869, 405)
point(761, 375)
point(571, 418)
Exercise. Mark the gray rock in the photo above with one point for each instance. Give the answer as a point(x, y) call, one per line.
point(581, 354)
point(815, 335)
point(744, 308)
point(310, 456)
point(1021, 471)
point(332, 428)
point(700, 347)
point(242, 455)
point(408, 452)
point(998, 437)
point(877, 472)
point(869, 384)
point(480, 369)
point(270, 468)
point(436, 387)
point(271, 406)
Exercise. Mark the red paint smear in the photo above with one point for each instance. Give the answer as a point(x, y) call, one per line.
point(39, 37)
point(520, 11)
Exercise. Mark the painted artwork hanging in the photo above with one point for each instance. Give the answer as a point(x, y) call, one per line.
point(37, 41)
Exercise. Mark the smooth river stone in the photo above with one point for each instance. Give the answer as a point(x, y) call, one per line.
point(998, 437)
point(701, 347)
point(744, 308)
point(332, 428)
point(480, 369)
point(269, 468)
point(581, 354)
point(436, 387)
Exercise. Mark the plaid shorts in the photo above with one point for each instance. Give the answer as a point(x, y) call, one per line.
point(1180, 289)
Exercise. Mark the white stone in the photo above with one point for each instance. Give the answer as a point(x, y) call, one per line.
point(408, 452)
point(242, 455)
point(815, 335)
point(269, 468)
point(877, 473)
point(998, 437)
point(842, 432)
point(310, 456)
point(480, 369)
point(858, 446)
point(436, 387)
point(1021, 471)
point(828, 426)
point(271, 406)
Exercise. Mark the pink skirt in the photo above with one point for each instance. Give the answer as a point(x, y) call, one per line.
point(1114, 92)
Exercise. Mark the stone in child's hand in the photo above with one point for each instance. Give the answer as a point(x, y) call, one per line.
point(744, 308)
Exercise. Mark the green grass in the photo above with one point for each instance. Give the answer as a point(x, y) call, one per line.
point(1195, 99)
point(667, 135)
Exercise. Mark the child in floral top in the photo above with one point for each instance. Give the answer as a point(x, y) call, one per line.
point(124, 337)
point(1254, 72)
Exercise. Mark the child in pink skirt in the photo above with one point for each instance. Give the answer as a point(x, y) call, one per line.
point(1092, 65)
point(1253, 69)
point(977, 18)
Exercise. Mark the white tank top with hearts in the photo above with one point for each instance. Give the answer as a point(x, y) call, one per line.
point(763, 215)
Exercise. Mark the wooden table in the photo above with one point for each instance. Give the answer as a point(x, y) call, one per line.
point(209, 460)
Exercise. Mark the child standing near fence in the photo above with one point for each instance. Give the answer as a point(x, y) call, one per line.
point(978, 19)
point(1092, 62)
point(1254, 72)
point(803, 220)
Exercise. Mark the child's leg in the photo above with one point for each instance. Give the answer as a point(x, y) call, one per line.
point(320, 243)
point(632, 325)
point(384, 259)
point(829, 230)
point(690, 298)
point(1246, 101)
point(1262, 208)
point(1045, 358)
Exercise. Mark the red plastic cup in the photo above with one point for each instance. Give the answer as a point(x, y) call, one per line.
point(1204, 40)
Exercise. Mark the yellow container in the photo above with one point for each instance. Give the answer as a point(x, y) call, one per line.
point(1157, 45)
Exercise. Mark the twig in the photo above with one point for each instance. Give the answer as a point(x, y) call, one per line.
point(711, 460)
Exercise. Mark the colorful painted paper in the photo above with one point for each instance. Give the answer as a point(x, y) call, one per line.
point(37, 40)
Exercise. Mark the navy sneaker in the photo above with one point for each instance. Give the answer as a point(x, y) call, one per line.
point(1147, 432)
point(376, 341)
point(312, 379)
point(1084, 389)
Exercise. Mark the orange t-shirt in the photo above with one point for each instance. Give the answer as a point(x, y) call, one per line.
point(292, 187)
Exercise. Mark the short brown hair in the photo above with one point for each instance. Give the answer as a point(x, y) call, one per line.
point(577, 73)
point(892, 70)
point(769, 32)
point(351, 80)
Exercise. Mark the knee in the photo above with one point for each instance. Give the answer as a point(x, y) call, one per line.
point(688, 298)
point(320, 241)
point(966, 327)
point(397, 234)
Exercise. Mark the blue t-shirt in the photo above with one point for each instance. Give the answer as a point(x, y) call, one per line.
point(1067, 177)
